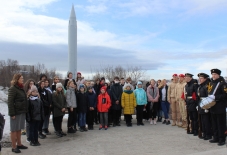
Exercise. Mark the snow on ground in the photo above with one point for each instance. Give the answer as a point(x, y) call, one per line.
point(4, 111)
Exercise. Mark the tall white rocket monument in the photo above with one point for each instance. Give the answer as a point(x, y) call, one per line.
point(72, 42)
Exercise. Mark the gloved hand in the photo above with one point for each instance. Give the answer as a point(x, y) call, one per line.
point(212, 97)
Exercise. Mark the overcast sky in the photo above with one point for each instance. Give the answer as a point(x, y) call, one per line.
point(163, 37)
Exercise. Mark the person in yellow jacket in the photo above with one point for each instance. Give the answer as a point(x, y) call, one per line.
point(128, 103)
point(179, 93)
point(172, 100)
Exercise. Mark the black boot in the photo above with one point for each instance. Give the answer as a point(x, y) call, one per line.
point(84, 128)
point(71, 130)
point(58, 133)
point(207, 137)
point(41, 135)
point(62, 133)
point(214, 141)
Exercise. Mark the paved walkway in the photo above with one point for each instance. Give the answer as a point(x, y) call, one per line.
point(137, 140)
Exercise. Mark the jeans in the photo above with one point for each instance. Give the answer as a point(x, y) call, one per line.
point(153, 111)
point(27, 130)
point(82, 119)
point(46, 122)
point(165, 108)
point(103, 118)
point(33, 130)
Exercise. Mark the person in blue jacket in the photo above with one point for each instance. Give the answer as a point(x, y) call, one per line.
point(141, 102)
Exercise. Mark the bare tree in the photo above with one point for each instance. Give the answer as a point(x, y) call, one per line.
point(109, 72)
point(8, 69)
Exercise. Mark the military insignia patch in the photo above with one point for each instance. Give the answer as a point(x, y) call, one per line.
point(209, 88)
point(225, 89)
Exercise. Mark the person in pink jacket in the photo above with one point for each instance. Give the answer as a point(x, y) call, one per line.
point(152, 96)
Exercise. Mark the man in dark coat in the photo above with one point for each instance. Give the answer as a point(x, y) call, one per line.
point(192, 102)
point(116, 92)
point(204, 115)
point(218, 111)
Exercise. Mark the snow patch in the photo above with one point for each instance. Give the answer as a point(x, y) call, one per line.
point(4, 111)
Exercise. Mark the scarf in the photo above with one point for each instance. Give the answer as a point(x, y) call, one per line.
point(48, 88)
point(20, 85)
point(33, 98)
point(128, 91)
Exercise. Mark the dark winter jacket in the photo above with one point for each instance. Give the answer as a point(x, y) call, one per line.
point(92, 99)
point(59, 102)
point(17, 101)
point(53, 87)
point(202, 93)
point(191, 88)
point(220, 96)
point(160, 93)
point(45, 100)
point(115, 95)
point(49, 94)
point(82, 102)
point(35, 109)
point(97, 89)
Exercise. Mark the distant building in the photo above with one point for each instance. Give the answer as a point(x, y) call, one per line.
point(26, 69)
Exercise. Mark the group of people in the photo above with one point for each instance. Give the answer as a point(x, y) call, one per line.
point(88, 102)
point(200, 106)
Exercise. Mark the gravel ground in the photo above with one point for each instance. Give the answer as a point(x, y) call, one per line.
point(137, 140)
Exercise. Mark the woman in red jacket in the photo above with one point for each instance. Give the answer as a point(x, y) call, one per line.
point(103, 106)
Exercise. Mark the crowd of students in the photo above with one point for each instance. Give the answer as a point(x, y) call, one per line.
point(86, 103)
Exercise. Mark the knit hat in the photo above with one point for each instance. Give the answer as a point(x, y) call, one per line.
point(90, 87)
point(81, 86)
point(174, 75)
point(128, 85)
point(139, 83)
point(58, 85)
point(33, 88)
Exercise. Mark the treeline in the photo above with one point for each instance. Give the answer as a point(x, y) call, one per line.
point(9, 67)
point(109, 72)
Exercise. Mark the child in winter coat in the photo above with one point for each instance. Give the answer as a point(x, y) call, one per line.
point(82, 105)
point(46, 104)
point(92, 99)
point(141, 101)
point(128, 103)
point(35, 115)
point(103, 106)
point(71, 104)
point(60, 105)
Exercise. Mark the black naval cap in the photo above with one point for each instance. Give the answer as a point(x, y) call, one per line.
point(203, 75)
point(215, 70)
point(188, 75)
